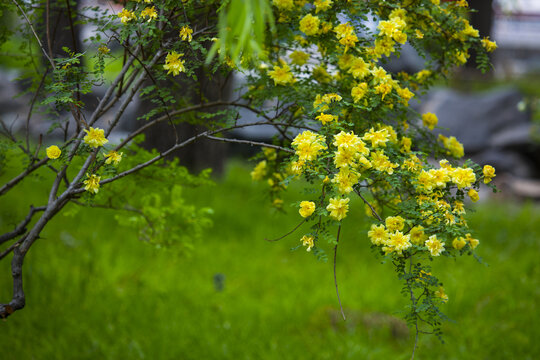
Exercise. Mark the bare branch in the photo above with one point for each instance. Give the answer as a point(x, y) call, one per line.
point(368, 204)
point(35, 35)
point(22, 175)
point(21, 228)
point(252, 143)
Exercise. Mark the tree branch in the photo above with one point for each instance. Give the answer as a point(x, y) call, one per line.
point(21, 228)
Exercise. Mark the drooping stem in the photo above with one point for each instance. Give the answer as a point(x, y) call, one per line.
point(335, 276)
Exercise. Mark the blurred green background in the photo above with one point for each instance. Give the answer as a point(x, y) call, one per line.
point(94, 291)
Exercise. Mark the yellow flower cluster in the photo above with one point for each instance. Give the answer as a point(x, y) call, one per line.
point(430, 120)
point(454, 147)
point(308, 145)
point(126, 16)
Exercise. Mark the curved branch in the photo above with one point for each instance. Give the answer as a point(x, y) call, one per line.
point(248, 142)
point(335, 276)
point(22, 175)
point(21, 228)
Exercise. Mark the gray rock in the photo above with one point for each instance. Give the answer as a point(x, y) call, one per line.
point(478, 120)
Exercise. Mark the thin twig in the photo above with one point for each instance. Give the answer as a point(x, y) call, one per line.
point(248, 142)
point(35, 34)
point(414, 302)
point(368, 204)
point(289, 233)
point(335, 276)
point(21, 228)
point(21, 176)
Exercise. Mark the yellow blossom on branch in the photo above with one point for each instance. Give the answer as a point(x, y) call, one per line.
point(114, 157)
point(434, 245)
point(174, 64)
point(307, 240)
point(95, 137)
point(53, 152)
point(282, 75)
point(126, 16)
point(306, 208)
point(149, 12)
point(92, 183)
point(338, 208)
point(299, 57)
point(430, 120)
point(489, 173)
point(186, 33)
point(309, 25)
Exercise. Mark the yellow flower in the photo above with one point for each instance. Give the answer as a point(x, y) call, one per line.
point(283, 4)
point(359, 91)
point(473, 194)
point(95, 137)
point(441, 294)
point(338, 208)
point(380, 162)
point(434, 245)
point(322, 5)
point(326, 118)
point(53, 152)
point(282, 75)
point(394, 223)
point(489, 45)
point(307, 240)
point(345, 180)
point(309, 24)
point(463, 177)
point(149, 12)
point(378, 234)
point(308, 145)
point(359, 69)
point(92, 183)
point(455, 148)
point(473, 243)
point(104, 49)
point(113, 156)
point(126, 16)
point(377, 138)
point(458, 244)
point(259, 172)
point(174, 64)
point(429, 120)
point(270, 153)
point(299, 57)
point(399, 242)
point(418, 237)
point(419, 34)
point(186, 33)
point(489, 173)
point(306, 208)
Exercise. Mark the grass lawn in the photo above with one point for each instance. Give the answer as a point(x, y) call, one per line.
point(96, 292)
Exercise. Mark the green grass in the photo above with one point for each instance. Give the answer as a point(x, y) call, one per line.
point(96, 292)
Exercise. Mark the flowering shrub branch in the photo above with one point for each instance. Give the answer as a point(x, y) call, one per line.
point(344, 122)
